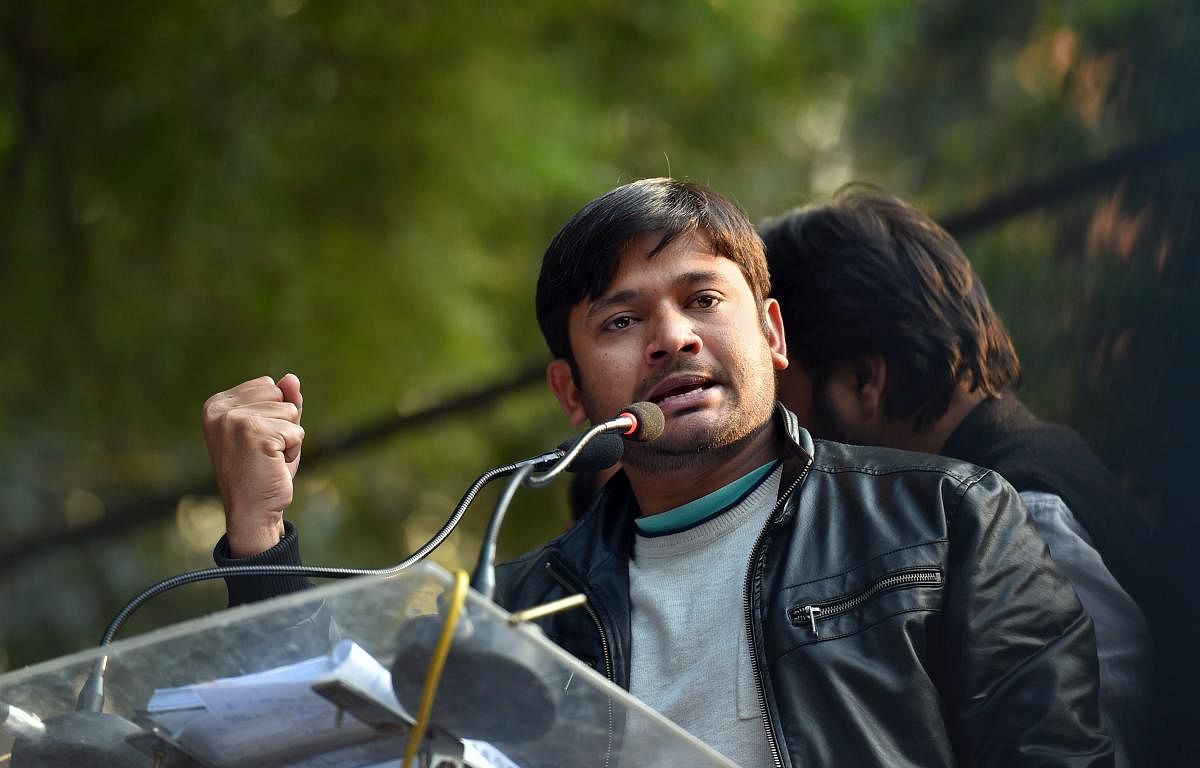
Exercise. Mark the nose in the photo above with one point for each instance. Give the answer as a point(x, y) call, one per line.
point(673, 334)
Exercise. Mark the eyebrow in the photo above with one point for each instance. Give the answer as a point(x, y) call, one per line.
point(629, 294)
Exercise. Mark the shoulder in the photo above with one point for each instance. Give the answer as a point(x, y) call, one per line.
point(919, 483)
point(840, 458)
point(900, 492)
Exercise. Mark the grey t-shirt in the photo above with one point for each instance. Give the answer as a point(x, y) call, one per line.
point(690, 648)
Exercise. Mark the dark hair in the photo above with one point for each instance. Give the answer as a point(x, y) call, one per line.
point(583, 257)
point(869, 274)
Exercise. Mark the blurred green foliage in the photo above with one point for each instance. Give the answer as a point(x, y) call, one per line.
point(198, 193)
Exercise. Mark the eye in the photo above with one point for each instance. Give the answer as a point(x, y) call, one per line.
point(706, 301)
point(618, 323)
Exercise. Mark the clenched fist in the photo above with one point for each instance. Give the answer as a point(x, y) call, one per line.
point(254, 435)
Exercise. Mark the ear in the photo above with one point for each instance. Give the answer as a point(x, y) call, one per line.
point(869, 374)
point(562, 384)
point(773, 326)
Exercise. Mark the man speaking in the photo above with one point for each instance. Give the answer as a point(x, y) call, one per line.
point(791, 602)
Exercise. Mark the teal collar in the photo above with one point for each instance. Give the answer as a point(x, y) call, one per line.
point(704, 508)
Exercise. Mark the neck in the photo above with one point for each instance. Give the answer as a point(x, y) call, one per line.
point(932, 440)
point(659, 491)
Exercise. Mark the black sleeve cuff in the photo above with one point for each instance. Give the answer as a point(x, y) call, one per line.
point(251, 589)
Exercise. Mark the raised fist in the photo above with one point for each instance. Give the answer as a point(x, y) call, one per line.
point(254, 436)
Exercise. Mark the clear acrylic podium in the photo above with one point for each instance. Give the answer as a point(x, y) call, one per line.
point(539, 705)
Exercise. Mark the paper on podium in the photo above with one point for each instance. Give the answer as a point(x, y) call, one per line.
point(237, 719)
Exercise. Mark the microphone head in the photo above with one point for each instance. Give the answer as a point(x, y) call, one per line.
point(649, 422)
point(602, 452)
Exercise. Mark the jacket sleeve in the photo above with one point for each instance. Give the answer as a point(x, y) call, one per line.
point(1023, 672)
point(251, 589)
point(312, 631)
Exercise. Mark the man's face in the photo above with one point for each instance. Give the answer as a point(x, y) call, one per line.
point(683, 330)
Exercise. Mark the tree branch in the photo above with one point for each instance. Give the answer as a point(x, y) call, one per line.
point(1137, 158)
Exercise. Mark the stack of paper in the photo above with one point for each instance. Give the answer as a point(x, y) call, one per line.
point(235, 719)
point(244, 720)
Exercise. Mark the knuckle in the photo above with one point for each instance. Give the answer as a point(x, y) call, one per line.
point(241, 423)
point(212, 409)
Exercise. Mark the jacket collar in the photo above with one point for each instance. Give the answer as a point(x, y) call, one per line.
point(608, 529)
point(797, 440)
point(989, 422)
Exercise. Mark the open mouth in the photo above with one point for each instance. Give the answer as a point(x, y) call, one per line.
point(680, 390)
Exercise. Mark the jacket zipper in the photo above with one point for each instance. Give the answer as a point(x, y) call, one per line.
point(811, 614)
point(758, 680)
point(566, 583)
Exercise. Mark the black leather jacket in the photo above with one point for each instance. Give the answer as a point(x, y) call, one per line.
point(900, 608)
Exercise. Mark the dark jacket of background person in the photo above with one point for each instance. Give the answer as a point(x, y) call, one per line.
point(984, 658)
point(1038, 456)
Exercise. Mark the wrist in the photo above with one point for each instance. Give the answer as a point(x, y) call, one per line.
point(250, 540)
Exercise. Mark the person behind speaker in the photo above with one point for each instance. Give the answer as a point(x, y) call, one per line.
point(893, 342)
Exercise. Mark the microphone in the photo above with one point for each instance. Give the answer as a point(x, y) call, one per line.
point(601, 453)
point(640, 422)
point(648, 422)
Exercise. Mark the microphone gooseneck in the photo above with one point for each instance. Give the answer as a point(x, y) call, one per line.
point(587, 453)
point(483, 580)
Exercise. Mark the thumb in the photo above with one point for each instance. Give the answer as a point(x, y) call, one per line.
point(289, 384)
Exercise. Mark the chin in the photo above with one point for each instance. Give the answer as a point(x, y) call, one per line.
point(701, 439)
point(689, 431)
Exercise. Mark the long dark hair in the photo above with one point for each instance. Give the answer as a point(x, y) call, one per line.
point(869, 274)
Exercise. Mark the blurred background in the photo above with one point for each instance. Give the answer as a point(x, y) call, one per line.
point(193, 194)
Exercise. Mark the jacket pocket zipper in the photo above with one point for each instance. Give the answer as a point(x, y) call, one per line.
point(814, 612)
